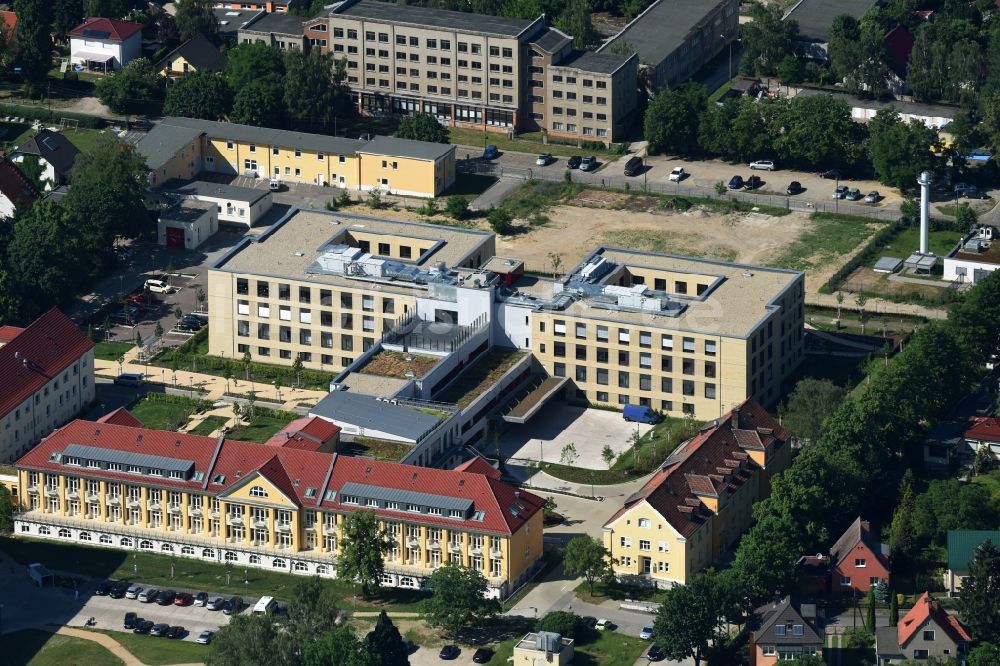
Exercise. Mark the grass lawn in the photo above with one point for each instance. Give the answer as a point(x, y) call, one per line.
point(991, 481)
point(263, 426)
point(653, 447)
point(154, 570)
point(527, 143)
point(606, 648)
point(41, 648)
point(908, 241)
point(83, 138)
point(162, 415)
point(831, 237)
point(376, 448)
point(531, 200)
point(470, 184)
point(209, 425)
point(604, 592)
point(14, 134)
point(156, 651)
point(111, 350)
point(394, 364)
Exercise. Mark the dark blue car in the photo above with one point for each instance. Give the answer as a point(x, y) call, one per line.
point(736, 183)
point(491, 152)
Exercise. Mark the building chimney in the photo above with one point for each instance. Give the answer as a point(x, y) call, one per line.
point(924, 181)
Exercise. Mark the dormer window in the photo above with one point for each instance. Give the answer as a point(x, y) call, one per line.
point(455, 513)
point(219, 478)
point(258, 491)
point(330, 495)
point(371, 502)
point(349, 499)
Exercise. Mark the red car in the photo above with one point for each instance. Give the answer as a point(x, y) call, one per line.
point(183, 599)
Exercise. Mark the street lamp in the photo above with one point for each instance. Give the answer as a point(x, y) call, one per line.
point(730, 57)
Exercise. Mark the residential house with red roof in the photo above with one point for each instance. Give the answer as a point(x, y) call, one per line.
point(926, 631)
point(105, 45)
point(16, 189)
point(858, 559)
point(48, 377)
point(694, 509)
point(272, 507)
point(983, 434)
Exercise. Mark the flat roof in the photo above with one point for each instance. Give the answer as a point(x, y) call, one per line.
point(400, 14)
point(662, 28)
point(815, 17)
point(733, 308)
point(909, 108)
point(203, 188)
point(231, 20)
point(264, 136)
point(371, 413)
point(396, 147)
point(163, 142)
point(189, 211)
point(375, 385)
point(292, 244)
point(990, 256)
point(278, 23)
point(598, 63)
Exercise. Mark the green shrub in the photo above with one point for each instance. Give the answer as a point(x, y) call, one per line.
point(457, 207)
point(561, 622)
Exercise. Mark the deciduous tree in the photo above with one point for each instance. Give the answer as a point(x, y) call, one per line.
point(459, 600)
point(337, 646)
point(766, 38)
point(689, 618)
point(386, 643)
point(364, 544)
point(586, 556)
point(671, 121)
point(32, 40)
point(204, 95)
point(66, 15)
point(809, 403)
point(575, 21)
point(315, 88)
point(259, 103)
point(6, 511)
point(134, 88)
point(899, 151)
point(196, 17)
point(422, 127)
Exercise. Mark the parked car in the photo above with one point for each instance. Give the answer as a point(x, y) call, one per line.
point(677, 174)
point(215, 603)
point(176, 632)
point(233, 606)
point(205, 637)
point(159, 629)
point(853, 195)
point(449, 652)
point(544, 159)
point(589, 163)
point(840, 192)
point(148, 595)
point(634, 166)
point(129, 379)
point(965, 189)
point(736, 183)
point(133, 592)
point(490, 152)
point(794, 187)
point(143, 626)
point(118, 590)
point(129, 622)
point(166, 597)
point(183, 599)
point(274, 184)
point(602, 624)
point(873, 197)
point(832, 174)
point(588, 621)
point(482, 655)
point(103, 588)
point(752, 183)
point(647, 633)
point(656, 653)
point(766, 165)
point(574, 162)
point(200, 599)
point(158, 287)
point(187, 325)
point(640, 413)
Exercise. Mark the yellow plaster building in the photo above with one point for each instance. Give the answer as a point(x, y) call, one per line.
point(696, 507)
point(271, 506)
point(197, 54)
point(184, 147)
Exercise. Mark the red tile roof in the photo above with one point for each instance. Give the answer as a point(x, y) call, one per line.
point(304, 476)
point(308, 433)
point(858, 532)
point(926, 609)
point(8, 333)
point(40, 352)
point(898, 44)
point(711, 463)
point(117, 31)
point(479, 466)
point(984, 428)
point(9, 20)
point(121, 416)
point(15, 185)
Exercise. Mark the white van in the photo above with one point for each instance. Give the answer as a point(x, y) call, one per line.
point(129, 379)
point(158, 287)
point(265, 606)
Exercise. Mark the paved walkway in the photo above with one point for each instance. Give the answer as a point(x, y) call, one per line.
point(876, 306)
point(213, 388)
point(105, 641)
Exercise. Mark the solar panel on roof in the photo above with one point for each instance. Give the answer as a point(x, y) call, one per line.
point(96, 34)
point(50, 143)
point(126, 458)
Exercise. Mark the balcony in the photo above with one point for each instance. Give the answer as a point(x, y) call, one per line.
point(33, 488)
point(194, 511)
point(174, 508)
point(72, 494)
point(51, 492)
point(476, 549)
point(134, 502)
point(413, 541)
point(260, 523)
point(284, 527)
point(455, 547)
point(153, 505)
point(434, 545)
point(234, 519)
point(92, 497)
point(214, 512)
point(496, 552)
point(112, 500)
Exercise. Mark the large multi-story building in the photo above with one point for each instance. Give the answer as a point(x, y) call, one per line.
point(48, 377)
point(694, 509)
point(184, 147)
point(685, 336)
point(488, 72)
point(278, 506)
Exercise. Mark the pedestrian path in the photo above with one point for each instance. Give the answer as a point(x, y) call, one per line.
point(105, 641)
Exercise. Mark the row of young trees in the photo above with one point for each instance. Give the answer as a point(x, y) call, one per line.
point(53, 250)
point(808, 132)
point(260, 87)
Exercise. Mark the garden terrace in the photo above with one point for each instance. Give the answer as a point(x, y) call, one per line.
point(397, 364)
point(482, 374)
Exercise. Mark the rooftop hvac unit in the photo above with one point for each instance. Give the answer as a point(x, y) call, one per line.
point(596, 269)
point(976, 246)
point(985, 233)
point(549, 641)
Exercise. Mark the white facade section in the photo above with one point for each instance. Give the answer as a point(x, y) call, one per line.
point(82, 50)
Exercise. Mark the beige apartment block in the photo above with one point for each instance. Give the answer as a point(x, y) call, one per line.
point(326, 286)
point(685, 336)
point(470, 70)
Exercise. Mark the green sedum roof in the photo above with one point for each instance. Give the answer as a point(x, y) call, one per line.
point(962, 545)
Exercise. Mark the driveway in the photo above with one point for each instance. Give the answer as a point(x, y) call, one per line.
point(557, 425)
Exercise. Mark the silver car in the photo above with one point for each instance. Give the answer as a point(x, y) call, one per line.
point(133, 592)
point(205, 637)
point(148, 595)
point(215, 603)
